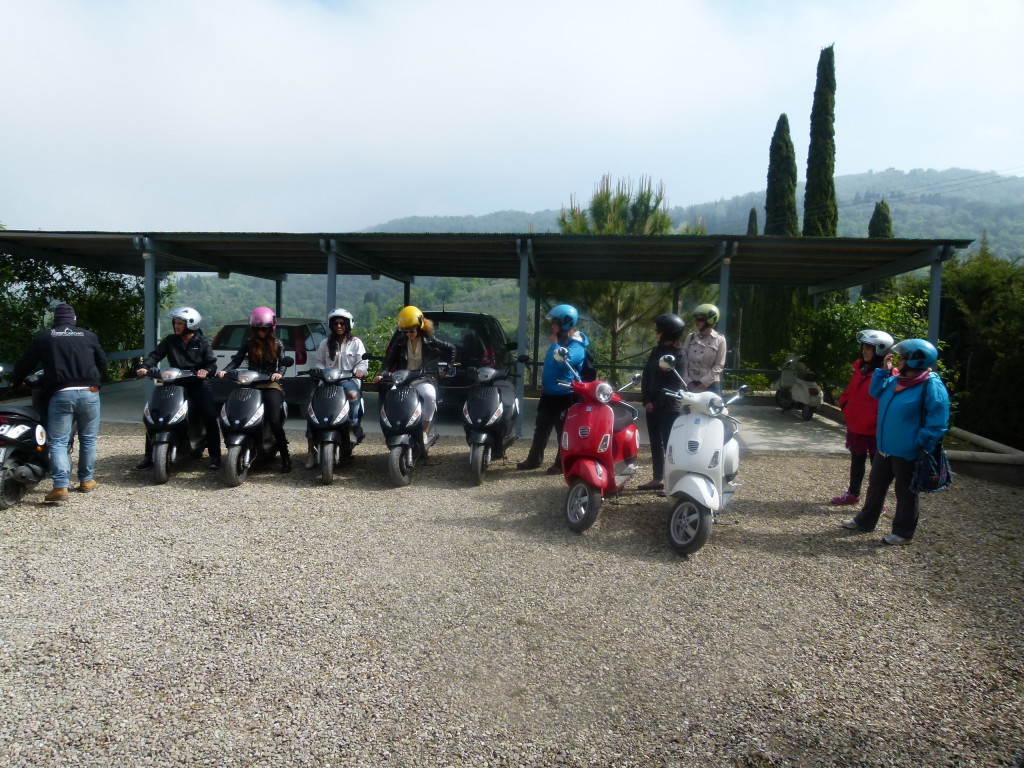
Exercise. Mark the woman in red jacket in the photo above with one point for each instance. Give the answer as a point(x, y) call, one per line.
point(861, 410)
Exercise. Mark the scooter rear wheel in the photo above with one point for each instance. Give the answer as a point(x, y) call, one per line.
point(784, 399)
point(689, 526)
point(479, 459)
point(235, 468)
point(11, 492)
point(161, 463)
point(327, 463)
point(582, 505)
point(398, 465)
point(807, 412)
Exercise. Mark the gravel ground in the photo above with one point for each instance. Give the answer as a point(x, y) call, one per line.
point(284, 623)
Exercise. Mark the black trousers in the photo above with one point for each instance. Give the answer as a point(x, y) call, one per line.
point(551, 410)
point(886, 471)
point(272, 400)
point(659, 425)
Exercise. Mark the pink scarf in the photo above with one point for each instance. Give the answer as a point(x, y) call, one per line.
point(906, 382)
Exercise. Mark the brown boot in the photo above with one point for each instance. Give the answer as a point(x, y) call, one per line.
point(87, 485)
point(56, 495)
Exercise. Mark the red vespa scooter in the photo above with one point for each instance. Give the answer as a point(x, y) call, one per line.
point(600, 443)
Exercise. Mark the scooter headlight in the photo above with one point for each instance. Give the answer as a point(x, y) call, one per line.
point(399, 377)
point(179, 414)
point(715, 406)
point(604, 392)
point(496, 415)
point(342, 414)
point(256, 417)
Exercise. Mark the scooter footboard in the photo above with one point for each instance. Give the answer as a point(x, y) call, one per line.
point(589, 471)
point(700, 489)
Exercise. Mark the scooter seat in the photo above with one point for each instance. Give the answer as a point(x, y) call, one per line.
point(623, 415)
point(24, 411)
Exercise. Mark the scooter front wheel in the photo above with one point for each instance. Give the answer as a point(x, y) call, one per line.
point(235, 467)
point(398, 465)
point(784, 399)
point(327, 463)
point(689, 526)
point(479, 459)
point(582, 505)
point(11, 491)
point(161, 463)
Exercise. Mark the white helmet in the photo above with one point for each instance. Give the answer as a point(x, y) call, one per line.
point(187, 315)
point(880, 340)
point(339, 312)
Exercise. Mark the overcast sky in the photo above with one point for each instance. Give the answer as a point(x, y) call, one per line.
point(334, 116)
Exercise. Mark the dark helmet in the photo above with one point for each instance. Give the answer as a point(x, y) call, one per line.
point(918, 353)
point(669, 324)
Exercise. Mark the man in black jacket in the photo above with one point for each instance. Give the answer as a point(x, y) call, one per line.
point(187, 348)
point(73, 362)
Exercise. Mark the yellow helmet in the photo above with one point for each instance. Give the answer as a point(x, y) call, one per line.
point(410, 317)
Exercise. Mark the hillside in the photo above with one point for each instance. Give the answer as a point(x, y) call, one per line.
point(954, 203)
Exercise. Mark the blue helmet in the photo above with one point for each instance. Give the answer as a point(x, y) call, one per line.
point(565, 315)
point(919, 353)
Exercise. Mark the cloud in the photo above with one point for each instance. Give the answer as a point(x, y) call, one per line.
point(297, 115)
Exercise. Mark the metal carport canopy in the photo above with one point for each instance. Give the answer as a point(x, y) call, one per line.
point(819, 264)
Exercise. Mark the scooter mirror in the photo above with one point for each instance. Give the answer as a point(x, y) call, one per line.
point(288, 361)
point(561, 354)
point(366, 355)
point(742, 391)
point(667, 362)
point(523, 359)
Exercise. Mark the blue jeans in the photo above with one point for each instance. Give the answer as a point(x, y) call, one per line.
point(78, 405)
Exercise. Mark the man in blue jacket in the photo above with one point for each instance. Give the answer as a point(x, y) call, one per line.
point(555, 399)
point(913, 414)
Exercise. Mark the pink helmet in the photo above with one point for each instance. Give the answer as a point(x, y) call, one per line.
point(263, 316)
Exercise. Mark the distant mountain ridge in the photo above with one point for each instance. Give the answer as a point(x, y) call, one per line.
point(954, 203)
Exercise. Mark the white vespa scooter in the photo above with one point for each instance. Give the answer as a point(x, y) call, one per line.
point(701, 463)
point(797, 387)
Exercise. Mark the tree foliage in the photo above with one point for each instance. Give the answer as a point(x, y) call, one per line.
point(752, 222)
point(821, 212)
point(880, 225)
point(620, 308)
point(109, 304)
point(780, 216)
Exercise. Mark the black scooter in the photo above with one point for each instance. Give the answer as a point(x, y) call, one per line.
point(24, 449)
point(247, 433)
point(401, 424)
point(173, 429)
point(489, 418)
point(328, 414)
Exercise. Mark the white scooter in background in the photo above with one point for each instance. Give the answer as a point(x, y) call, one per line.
point(797, 386)
point(701, 463)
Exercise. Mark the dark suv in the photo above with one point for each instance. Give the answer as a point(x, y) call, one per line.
point(479, 340)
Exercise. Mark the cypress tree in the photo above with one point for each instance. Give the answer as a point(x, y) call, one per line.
point(821, 213)
point(780, 197)
point(752, 222)
point(880, 225)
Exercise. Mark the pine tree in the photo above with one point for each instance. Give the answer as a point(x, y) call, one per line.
point(780, 197)
point(821, 213)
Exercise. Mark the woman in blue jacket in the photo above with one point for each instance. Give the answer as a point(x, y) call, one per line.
point(555, 399)
point(913, 414)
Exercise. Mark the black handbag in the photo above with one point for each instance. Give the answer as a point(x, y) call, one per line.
point(932, 472)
